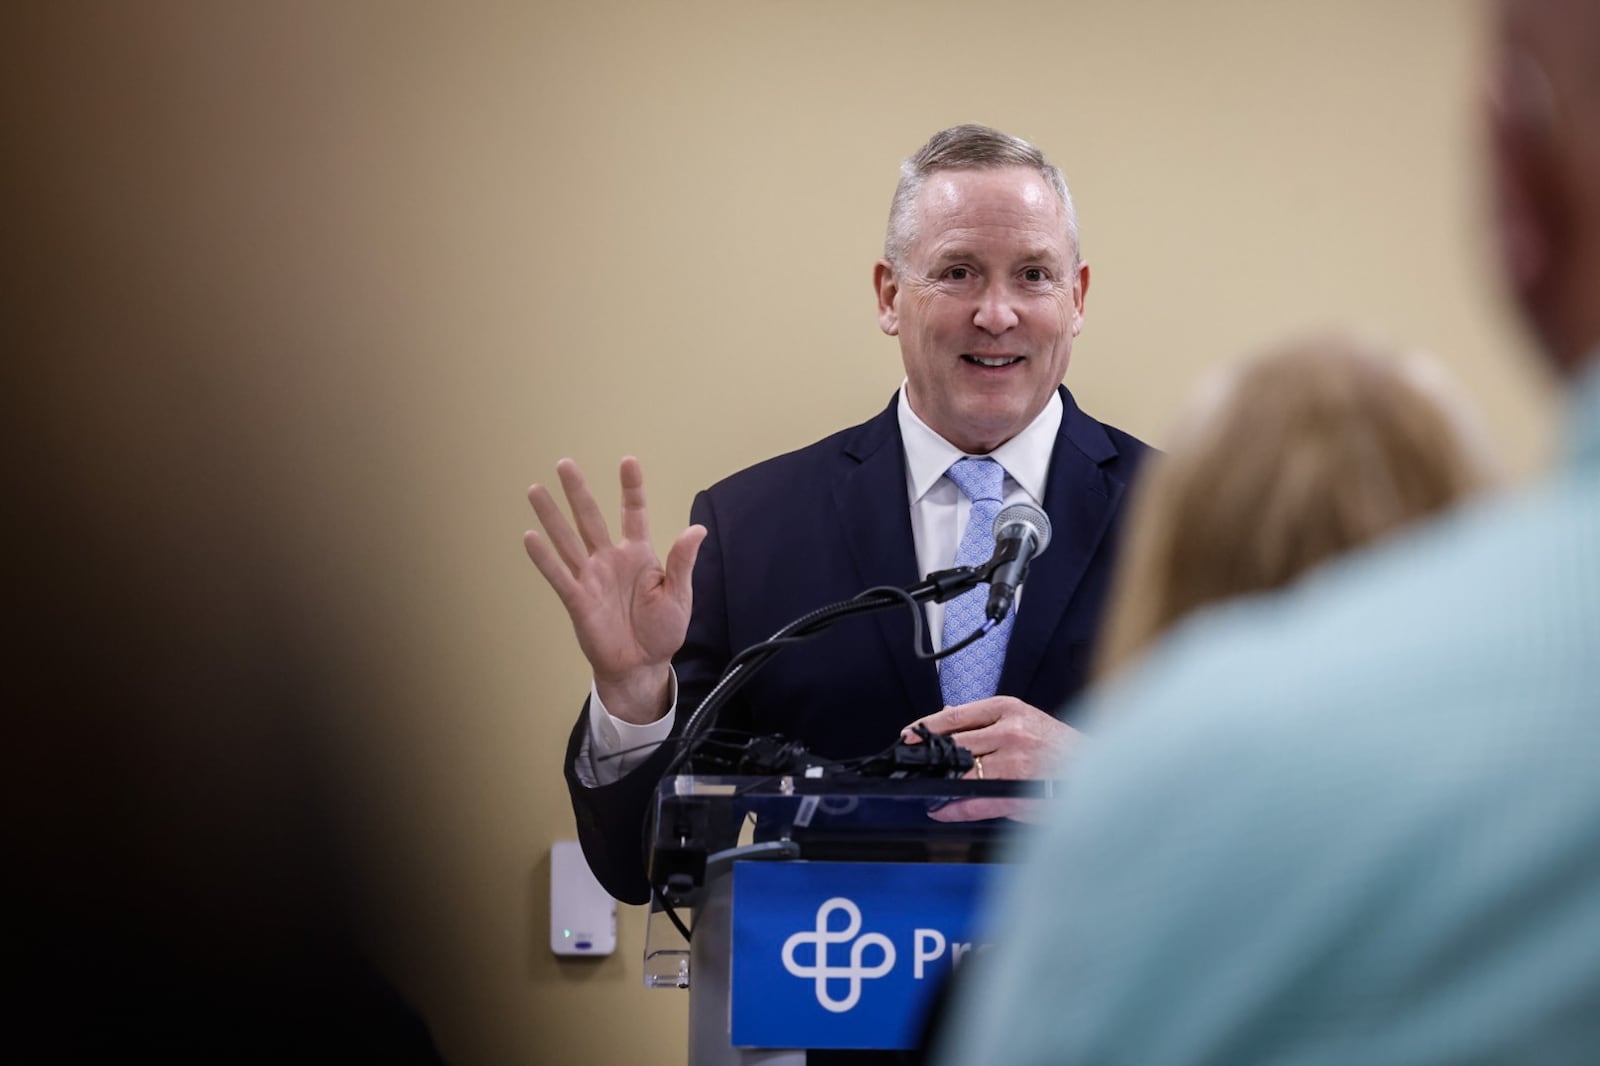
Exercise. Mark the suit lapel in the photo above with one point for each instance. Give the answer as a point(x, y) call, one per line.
point(1080, 500)
point(876, 520)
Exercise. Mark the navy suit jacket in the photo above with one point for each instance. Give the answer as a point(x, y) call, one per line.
point(820, 525)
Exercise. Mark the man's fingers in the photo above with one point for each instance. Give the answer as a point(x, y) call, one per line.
point(551, 565)
point(984, 740)
point(979, 741)
point(585, 511)
point(680, 560)
point(556, 528)
point(963, 717)
point(635, 517)
point(935, 723)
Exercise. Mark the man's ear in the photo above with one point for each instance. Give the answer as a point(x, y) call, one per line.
point(1533, 216)
point(887, 286)
point(1080, 292)
point(1517, 112)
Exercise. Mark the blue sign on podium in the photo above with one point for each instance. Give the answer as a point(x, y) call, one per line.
point(846, 954)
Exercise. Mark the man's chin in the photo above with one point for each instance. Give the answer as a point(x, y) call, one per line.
point(984, 431)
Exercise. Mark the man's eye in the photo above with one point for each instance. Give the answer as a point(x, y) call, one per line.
point(1035, 275)
point(958, 274)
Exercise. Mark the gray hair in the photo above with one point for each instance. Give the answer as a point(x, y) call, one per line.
point(967, 147)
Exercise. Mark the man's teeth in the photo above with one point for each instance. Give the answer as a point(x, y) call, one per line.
point(1004, 360)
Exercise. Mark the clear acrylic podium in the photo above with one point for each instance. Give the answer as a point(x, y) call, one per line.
point(704, 825)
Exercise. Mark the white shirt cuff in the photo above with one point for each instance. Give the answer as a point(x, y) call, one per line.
point(615, 747)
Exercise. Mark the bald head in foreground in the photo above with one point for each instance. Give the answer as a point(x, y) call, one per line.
point(1359, 822)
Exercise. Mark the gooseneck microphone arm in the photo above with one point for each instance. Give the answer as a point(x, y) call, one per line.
point(937, 587)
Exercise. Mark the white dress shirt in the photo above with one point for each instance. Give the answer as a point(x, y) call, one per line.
point(939, 512)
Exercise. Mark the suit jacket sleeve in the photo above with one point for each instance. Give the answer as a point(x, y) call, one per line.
point(612, 819)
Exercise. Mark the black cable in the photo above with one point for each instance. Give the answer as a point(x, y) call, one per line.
point(936, 750)
point(687, 932)
point(744, 665)
point(918, 631)
point(970, 638)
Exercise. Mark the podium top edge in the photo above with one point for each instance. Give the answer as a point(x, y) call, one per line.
point(844, 785)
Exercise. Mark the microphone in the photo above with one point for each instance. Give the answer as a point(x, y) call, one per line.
point(1021, 532)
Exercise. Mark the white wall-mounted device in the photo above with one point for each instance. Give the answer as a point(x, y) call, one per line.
point(583, 916)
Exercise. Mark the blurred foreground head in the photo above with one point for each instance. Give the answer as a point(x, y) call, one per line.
point(1314, 448)
point(1544, 138)
point(179, 874)
point(180, 883)
point(1360, 822)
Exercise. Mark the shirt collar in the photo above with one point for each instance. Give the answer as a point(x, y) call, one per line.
point(1026, 456)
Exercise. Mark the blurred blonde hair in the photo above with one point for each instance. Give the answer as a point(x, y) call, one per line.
point(1309, 450)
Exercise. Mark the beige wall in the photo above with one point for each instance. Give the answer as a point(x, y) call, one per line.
point(418, 253)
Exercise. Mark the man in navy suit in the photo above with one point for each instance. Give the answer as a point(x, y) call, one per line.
point(982, 282)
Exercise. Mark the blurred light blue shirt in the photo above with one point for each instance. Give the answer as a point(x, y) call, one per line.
point(1356, 822)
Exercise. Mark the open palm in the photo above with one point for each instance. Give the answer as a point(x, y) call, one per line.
point(630, 613)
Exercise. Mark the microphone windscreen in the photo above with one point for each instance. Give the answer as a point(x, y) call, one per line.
point(1025, 514)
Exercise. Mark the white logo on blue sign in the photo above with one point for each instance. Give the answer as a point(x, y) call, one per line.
point(821, 970)
point(842, 954)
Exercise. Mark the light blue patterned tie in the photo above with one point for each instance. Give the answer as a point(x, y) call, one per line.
point(973, 673)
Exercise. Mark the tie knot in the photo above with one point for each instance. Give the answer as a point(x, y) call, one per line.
point(980, 478)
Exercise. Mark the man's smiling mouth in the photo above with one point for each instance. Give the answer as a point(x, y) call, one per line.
point(992, 360)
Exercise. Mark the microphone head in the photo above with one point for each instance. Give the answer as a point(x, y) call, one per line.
point(1029, 516)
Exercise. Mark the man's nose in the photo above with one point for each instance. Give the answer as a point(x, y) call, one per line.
point(996, 310)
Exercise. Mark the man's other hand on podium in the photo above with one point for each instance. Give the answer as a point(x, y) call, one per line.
point(1009, 739)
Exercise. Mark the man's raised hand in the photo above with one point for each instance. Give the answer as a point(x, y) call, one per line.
point(629, 612)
